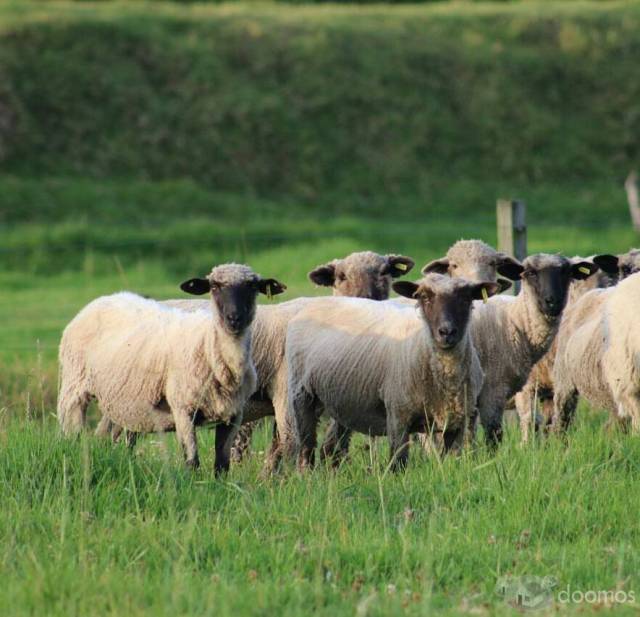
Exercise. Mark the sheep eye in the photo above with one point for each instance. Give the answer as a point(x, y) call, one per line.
point(626, 270)
point(454, 266)
point(341, 276)
point(530, 274)
point(215, 287)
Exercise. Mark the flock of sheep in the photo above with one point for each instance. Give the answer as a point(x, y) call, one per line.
point(447, 353)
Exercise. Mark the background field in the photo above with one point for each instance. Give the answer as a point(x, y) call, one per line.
point(140, 143)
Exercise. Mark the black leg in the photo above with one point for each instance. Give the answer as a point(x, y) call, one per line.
point(225, 434)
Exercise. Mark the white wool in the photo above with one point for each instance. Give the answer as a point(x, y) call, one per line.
point(374, 363)
point(599, 354)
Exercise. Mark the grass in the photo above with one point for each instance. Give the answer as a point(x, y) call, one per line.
point(96, 530)
point(91, 529)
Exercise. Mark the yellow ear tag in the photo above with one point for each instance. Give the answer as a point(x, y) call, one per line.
point(485, 295)
point(269, 291)
point(584, 270)
point(401, 266)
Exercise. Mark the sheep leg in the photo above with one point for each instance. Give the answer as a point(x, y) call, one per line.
point(131, 438)
point(242, 442)
point(335, 446)
point(274, 455)
point(547, 413)
point(105, 427)
point(186, 434)
point(490, 411)
point(284, 433)
point(72, 412)
point(630, 402)
point(225, 435)
point(453, 441)
point(525, 406)
point(305, 423)
point(565, 402)
point(398, 434)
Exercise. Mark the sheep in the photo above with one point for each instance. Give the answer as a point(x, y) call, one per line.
point(157, 368)
point(362, 275)
point(540, 382)
point(378, 368)
point(511, 334)
point(473, 260)
point(365, 273)
point(599, 355)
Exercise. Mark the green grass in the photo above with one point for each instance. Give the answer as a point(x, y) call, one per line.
point(324, 103)
point(91, 529)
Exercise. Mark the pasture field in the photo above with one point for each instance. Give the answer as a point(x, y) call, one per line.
point(143, 142)
point(91, 529)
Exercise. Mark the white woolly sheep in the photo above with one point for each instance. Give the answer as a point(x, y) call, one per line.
point(539, 386)
point(378, 368)
point(599, 355)
point(512, 334)
point(156, 368)
point(366, 273)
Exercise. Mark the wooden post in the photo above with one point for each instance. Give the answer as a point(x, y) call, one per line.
point(631, 186)
point(512, 230)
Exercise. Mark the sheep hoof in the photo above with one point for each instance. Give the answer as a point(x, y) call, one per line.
point(193, 463)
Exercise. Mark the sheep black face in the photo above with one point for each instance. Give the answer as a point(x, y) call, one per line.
point(234, 290)
point(547, 277)
point(362, 275)
point(445, 304)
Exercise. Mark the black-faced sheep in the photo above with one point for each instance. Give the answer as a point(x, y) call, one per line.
point(379, 368)
point(539, 386)
point(511, 334)
point(157, 368)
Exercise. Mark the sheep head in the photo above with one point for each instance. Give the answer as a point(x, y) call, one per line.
point(362, 275)
point(475, 260)
point(445, 304)
point(234, 289)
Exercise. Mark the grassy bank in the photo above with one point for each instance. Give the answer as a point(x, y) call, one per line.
point(321, 103)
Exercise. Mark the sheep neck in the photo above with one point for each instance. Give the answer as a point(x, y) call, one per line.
point(446, 366)
point(534, 330)
point(226, 354)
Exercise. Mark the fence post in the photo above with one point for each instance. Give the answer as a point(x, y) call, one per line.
point(511, 216)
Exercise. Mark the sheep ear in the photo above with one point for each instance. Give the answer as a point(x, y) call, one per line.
point(504, 285)
point(482, 291)
point(271, 287)
point(197, 287)
point(607, 263)
point(509, 267)
point(439, 266)
point(405, 288)
point(399, 265)
point(583, 270)
point(323, 275)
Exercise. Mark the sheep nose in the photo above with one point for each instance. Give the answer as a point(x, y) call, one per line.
point(553, 305)
point(448, 332)
point(234, 319)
